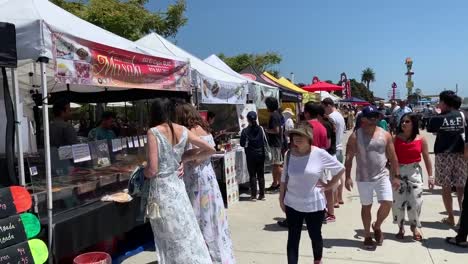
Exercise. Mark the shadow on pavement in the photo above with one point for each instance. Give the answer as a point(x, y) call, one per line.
point(436, 225)
point(276, 228)
point(439, 243)
point(346, 243)
point(387, 236)
point(455, 213)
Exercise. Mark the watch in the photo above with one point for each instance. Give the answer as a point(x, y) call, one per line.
point(397, 176)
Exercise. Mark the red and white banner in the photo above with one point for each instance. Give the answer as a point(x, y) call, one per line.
point(346, 84)
point(82, 62)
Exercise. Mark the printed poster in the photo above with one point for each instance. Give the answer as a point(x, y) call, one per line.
point(242, 111)
point(218, 92)
point(82, 62)
point(258, 94)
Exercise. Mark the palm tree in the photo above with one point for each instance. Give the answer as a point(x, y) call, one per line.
point(368, 76)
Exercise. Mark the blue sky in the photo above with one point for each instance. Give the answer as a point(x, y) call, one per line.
point(325, 38)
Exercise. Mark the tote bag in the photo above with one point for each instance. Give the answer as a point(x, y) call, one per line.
point(267, 149)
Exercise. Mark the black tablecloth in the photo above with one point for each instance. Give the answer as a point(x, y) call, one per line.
point(85, 226)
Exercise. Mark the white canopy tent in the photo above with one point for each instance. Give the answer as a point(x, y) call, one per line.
point(325, 94)
point(154, 41)
point(215, 61)
point(36, 21)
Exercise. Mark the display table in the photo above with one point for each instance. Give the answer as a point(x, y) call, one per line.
point(83, 227)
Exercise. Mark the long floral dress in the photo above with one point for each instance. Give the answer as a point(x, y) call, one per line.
point(177, 235)
point(203, 191)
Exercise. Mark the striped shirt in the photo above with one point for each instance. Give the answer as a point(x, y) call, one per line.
point(303, 173)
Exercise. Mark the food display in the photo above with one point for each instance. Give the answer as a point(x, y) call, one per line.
point(85, 182)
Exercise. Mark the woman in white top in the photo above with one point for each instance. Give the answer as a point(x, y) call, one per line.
point(301, 195)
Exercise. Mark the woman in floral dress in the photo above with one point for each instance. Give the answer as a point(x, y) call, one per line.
point(203, 191)
point(177, 236)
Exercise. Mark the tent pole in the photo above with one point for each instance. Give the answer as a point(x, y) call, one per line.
point(18, 118)
point(45, 119)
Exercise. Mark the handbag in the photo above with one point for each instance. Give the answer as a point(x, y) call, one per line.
point(267, 149)
point(136, 182)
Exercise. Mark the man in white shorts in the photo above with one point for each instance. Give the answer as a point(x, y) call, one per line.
point(372, 147)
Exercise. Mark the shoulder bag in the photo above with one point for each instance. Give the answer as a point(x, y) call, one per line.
point(266, 148)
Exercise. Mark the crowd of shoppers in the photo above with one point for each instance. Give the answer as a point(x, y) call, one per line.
point(186, 210)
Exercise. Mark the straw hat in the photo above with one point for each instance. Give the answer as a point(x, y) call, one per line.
point(288, 111)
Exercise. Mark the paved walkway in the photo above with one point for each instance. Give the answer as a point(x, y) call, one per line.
point(259, 240)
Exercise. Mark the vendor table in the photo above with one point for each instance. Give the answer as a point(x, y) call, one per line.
point(231, 170)
point(83, 227)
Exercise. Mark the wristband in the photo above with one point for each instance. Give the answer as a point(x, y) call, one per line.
point(397, 176)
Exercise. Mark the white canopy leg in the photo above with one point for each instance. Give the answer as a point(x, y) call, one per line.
point(18, 119)
point(45, 119)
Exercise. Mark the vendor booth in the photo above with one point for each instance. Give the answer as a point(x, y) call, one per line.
point(222, 93)
point(61, 56)
point(288, 98)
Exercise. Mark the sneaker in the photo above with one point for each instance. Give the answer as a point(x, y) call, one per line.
point(283, 223)
point(253, 199)
point(318, 262)
point(329, 219)
point(261, 198)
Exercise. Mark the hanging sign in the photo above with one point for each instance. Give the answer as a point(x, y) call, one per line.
point(78, 61)
point(218, 92)
point(18, 228)
point(14, 200)
point(242, 111)
point(258, 94)
point(28, 252)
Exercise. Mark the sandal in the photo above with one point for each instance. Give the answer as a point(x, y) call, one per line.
point(378, 235)
point(400, 235)
point(453, 241)
point(447, 221)
point(416, 234)
point(369, 244)
point(337, 206)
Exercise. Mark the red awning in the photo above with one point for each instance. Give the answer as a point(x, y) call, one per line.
point(322, 86)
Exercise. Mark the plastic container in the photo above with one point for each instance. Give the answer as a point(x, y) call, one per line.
point(93, 258)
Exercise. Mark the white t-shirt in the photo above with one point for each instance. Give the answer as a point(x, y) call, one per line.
point(340, 128)
point(304, 172)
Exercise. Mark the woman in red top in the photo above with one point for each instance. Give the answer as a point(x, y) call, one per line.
point(409, 147)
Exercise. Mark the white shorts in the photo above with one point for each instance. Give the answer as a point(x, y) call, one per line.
point(382, 187)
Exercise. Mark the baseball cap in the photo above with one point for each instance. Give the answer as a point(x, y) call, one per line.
point(370, 111)
point(252, 116)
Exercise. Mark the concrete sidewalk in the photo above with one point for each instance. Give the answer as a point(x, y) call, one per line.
point(259, 240)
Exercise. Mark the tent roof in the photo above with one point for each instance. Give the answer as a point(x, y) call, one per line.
point(215, 61)
point(251, 73)
point(35, 19)
point(284, 82)
point(306, 96)
point(157, 42)
point(322, 86)
point(324, 95)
